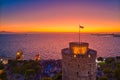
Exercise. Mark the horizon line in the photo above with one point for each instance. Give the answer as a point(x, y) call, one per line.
point(51, 32)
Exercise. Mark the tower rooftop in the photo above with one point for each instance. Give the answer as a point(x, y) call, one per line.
point(77, 48)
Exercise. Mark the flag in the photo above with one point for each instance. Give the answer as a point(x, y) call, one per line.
point(81, 27)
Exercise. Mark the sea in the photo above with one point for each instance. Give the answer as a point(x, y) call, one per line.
point(49, 45)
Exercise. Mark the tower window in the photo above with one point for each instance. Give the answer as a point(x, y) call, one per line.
point(75, 56)
point(77, 74)
point(90, 65)
point(89, 56)
point(88, 72)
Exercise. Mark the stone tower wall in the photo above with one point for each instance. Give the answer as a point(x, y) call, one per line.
point(79, 67)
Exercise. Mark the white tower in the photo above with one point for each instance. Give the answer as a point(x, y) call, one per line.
point(78, 62)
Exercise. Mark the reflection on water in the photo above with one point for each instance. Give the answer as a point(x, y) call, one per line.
point(49, 45)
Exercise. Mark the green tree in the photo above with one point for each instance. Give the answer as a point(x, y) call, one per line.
point(109, 60)
point(103, 78)
point(100, 59)
point(3, 76)
point(108, 72)
point(117, 74)
point(1, 65)
point(58, 76)
point(28, 73)
point(47, 78)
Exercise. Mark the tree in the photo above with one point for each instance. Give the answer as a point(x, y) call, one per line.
point(3, 76)
point(109, 60)
point(108, 72)
point(100, 59)
point(1, 65)
point(58, 76)
point(103, 78)
point(117, 74)
point(28, 73)
point(47, 78)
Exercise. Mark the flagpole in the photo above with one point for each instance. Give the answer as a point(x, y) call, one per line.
point(79, 34)
point(79, 31)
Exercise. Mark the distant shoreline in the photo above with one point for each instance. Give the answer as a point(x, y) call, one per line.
point(113, 34)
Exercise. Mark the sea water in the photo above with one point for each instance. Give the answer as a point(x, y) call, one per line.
point(49, 45)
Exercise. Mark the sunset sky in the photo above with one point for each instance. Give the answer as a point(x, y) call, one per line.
point(60, 15)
